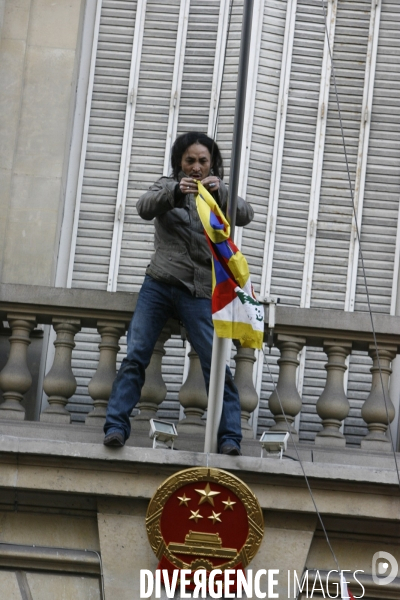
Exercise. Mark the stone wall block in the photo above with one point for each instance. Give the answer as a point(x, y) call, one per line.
point(378, 406)
point(101, 383)
point(154, 390)
point(333, 406)
point(193, 397)
point(289, 346)
point(15, 378)
point(245, 360)
point(60, 383)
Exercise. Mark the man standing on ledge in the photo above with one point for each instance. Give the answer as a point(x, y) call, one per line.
point(177, 284)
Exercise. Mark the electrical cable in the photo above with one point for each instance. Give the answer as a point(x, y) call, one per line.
point(361, 255)
point(103, 592)
point(301, 462)
point(290, 457)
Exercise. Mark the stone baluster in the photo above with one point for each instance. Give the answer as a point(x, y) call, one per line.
point(289, 346)
point(193, 398)
point(333, 406)
point(245, 360)
point(375, 411)
point(15, 378)
point(154, 389)
point(101, 383)
point(60, 383)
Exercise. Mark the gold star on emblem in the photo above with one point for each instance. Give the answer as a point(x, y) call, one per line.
point(184, 500)
point(215, 517)
point(207, 495)
point(195, 515)
point(228, 503)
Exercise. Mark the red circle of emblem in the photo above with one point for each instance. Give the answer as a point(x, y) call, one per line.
point(204, 519)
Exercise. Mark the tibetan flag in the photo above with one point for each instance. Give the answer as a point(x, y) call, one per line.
point(346, 593)
point(236, 312)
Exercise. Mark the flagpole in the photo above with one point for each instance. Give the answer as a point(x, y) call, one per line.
point(222, 345)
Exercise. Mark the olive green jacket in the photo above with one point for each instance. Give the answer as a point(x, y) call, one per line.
point(182, 255)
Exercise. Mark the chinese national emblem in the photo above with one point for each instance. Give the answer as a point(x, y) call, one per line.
point(204, 518)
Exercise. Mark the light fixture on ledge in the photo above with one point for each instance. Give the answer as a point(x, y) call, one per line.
point(274, 442)
point(162, 432)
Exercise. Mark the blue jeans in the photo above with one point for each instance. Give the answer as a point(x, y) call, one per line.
point(158, 302)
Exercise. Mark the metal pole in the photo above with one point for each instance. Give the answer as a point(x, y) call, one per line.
point(221, 345)
point(216, 392)
point(239, 112)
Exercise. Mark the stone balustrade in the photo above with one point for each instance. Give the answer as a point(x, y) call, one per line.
point(67, 311)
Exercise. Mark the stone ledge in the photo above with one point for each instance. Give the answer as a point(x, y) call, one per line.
point(91, 305)
point(309, 452)
point(59, 298)
point(323, 322)
point(131, 474)
point(89, 451)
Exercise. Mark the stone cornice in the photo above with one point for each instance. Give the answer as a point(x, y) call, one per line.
point(132, 472)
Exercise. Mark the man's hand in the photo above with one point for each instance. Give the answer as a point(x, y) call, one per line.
point(211, 183)
point(187, 185)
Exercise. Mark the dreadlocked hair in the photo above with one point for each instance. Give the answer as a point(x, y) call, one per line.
point(185, 140)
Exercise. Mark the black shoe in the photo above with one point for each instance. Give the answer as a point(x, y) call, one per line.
point(115, 438)
point(230, 449)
